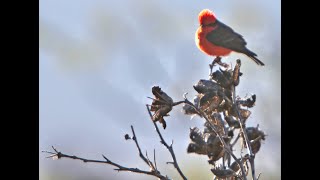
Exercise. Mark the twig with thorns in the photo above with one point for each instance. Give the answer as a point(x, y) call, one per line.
point(58, 155)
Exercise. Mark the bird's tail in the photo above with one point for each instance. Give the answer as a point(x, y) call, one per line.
point(252, 56)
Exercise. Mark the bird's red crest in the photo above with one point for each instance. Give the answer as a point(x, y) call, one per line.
point(206, 17)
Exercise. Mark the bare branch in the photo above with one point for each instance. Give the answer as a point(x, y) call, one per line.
point(170, 148)
point(107, 161)
point(154, 159)
point(147, 161)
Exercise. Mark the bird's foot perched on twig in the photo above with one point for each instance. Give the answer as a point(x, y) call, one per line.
point(218, 61)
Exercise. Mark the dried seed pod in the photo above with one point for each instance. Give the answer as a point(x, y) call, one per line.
point(161, 105)
point(223, 173)
point(236, 73)
point(207, 86)
point(215, 149)
point(196, 148)
point(224, 78)
point(196, 136)
point(255, 132)
point(255, 146)
point(255, 136)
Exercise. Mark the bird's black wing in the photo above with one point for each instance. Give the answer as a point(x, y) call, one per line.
point(225, 37)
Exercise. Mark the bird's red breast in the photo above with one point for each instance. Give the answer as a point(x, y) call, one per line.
point(206, 46)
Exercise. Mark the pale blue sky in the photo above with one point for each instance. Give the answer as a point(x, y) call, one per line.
point(99, 60)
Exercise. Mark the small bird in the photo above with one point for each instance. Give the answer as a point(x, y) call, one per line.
point(217, 39)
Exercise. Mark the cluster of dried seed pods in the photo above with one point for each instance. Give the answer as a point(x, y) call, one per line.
point(225, 115)
point(216, 100)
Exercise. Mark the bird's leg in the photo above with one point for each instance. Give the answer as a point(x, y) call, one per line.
point(218, 61)
point(215, 60)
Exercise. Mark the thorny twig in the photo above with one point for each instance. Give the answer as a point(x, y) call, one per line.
point(146, 160)
point(59, 155)
point(169, 147)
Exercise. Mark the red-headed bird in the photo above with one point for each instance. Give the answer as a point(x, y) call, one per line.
point(217, 39)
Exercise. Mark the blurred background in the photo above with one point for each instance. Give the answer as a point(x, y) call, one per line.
point(100, 59)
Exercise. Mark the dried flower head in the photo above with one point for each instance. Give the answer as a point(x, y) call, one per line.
point(161, 105)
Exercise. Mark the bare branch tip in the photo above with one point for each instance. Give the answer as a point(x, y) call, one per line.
point(105, 158)
point(54, 149)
